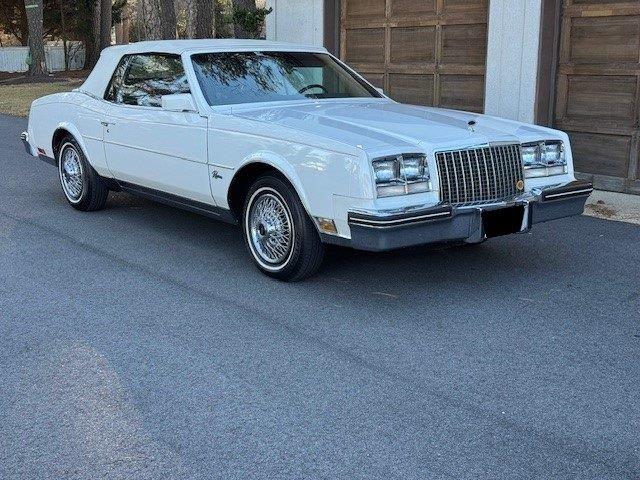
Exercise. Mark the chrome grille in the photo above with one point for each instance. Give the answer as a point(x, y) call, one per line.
point(480, 175)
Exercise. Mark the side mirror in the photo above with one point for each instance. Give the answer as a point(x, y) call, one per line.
point(380, 90)
point(179, 102)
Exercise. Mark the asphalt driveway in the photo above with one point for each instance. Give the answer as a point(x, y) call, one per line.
point(140, 342)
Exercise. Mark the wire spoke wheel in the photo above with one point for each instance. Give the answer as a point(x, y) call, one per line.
point(71, 173)
point(278, 232)
point(270, 228)
point(83, 188)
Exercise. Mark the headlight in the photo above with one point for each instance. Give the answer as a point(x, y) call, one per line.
point(385, 170)
point(544, 159)
point(401, 175)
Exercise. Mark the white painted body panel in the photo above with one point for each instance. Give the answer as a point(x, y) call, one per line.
point(324, 147)
point(317, 168)
point(158, 149)
point(79, 114)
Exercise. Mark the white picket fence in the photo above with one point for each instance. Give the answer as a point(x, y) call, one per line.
point(14, 59)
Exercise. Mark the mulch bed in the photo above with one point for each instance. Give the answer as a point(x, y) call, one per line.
point(23, 78)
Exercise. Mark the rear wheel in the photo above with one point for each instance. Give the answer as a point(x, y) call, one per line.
point(81, 184)
point(278, 233)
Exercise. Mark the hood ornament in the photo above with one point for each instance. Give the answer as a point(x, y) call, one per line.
point(472, 126)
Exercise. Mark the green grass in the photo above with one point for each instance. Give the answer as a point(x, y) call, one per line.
point(16, 99)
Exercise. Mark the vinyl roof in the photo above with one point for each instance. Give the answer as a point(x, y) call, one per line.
point(181, 46)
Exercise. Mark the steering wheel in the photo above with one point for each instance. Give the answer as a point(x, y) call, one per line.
point(313, 85)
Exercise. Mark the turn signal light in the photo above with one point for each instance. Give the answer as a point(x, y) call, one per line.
point(327, 225)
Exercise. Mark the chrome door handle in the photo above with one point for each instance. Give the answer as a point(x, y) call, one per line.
point(106, 124)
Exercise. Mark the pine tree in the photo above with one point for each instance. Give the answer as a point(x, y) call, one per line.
point(37, 63)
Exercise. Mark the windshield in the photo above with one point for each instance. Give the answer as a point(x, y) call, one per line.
point(228, 78)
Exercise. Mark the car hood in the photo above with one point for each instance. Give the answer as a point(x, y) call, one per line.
point(384, 124)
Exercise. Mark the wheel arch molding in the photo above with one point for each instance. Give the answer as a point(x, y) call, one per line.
point(63, 130)
point(250, 171)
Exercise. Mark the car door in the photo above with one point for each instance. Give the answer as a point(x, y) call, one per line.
point(147, 146)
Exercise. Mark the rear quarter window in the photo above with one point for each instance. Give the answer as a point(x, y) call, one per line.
point(143, 79)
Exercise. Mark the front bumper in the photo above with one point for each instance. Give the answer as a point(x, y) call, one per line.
point(388, 230)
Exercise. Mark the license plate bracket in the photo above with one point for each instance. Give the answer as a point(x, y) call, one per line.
point(502, 221)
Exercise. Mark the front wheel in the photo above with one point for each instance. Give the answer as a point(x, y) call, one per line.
point(278, 233)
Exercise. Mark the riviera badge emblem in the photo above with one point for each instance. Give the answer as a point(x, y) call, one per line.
point(520, 185)
point(472, 126)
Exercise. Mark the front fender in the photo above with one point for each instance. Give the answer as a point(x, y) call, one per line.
point(282, 166)
point(319, 173)
point(318, 176)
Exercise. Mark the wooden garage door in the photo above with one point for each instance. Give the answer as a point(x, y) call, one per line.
point(598, 89)
point(424, 52)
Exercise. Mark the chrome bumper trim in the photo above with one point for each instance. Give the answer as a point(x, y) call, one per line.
point(382, 230)
point(395, 218)
point(421, 214)
point(394, 223)
point(566, 194)
point(577, 188)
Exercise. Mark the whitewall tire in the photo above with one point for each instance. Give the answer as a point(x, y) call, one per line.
point(280, 236)
point(82, 186)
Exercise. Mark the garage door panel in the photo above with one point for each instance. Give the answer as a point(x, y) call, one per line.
point(462, 92)
point(377, 79)
point(365, 45)
point(411, 8)
point(412, 89)
point(601, 154)
point(465, 5)
point(598, 88)
point(415, 45)
point(610, 98)
point(464, 44)
point(601, 2)
point(436, 51)
point(365, 8)
point(600, 40)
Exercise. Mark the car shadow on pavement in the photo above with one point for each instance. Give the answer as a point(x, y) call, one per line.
point(356, 276)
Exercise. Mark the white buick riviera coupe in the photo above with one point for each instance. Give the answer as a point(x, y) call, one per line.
point(297, 148)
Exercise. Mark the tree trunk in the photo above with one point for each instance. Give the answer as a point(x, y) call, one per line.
point(152, 19)
point(159, 19)
point(36, 42)
point(105, 24)
point(119, 34)
point(92, 47)
point(168, 13)
point(63, 28)
point(190, 30)
point(201, 19)
point(126, 25)
point(65, 48)
point(250, 5)
point(122, 28)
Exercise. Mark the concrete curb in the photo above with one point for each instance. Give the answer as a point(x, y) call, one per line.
point(614, 206)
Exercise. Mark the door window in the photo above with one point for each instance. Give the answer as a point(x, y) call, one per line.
point(142, 80)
